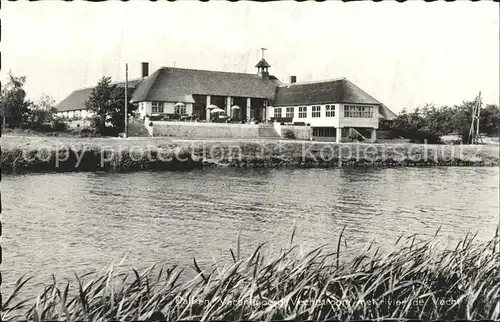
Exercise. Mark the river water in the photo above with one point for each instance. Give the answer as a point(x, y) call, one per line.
point(65, 223)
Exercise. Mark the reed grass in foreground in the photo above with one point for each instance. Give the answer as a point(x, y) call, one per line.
point(416, 281)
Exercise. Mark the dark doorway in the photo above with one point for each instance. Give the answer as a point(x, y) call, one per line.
point(200, 106)
point(257, 109)
point(241, 113)
point(219, 101)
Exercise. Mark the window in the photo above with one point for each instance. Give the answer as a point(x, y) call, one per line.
point(180, 109)
point(358, 111)
point(316, 111)
point(302, 112)
point(157, 107)
point(289, 112)
point(330, 111)
point(277, 112)
point(324, 132)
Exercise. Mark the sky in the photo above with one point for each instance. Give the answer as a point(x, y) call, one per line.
point(403, 54)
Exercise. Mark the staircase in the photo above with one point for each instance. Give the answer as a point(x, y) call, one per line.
point(268, 131)
point(364, 133)
point(136, 128)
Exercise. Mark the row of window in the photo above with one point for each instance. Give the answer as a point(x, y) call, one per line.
point(315, 111)
point(358, 111)
point(157, 107)
point(329, 132)
point(324, 131)
point(76, 113)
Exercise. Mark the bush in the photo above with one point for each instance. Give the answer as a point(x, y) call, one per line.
point(24, 126)
point(110, 131)
point(59, 125)
point(420, 136)
point(45, 128)
point(87, 132)
point(175, 116)
point(415, 136)
point(157, 117)
point(289, 134)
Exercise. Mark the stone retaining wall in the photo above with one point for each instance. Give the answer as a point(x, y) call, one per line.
point(300, 132)
point(205, 130)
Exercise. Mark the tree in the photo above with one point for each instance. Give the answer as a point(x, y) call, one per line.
point(431, 122)
point(41, 111)
point(13, 103)
point(416, 126)
point(117, 114)
point(46, 103)
point(408, 122)
point(107, 102)
point(489, 121)
point(461, 118)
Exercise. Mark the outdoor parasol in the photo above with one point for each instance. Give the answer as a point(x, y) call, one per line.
point(217, 110)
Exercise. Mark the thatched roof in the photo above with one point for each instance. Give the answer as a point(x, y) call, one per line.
point(178, 84)
point(339, 90)
point(386, 113)
point(332, 91)
point(76, 100)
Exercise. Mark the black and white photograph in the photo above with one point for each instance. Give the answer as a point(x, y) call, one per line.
point(249, 161)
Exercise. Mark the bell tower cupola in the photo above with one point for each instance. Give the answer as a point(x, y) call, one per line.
point(263, 65)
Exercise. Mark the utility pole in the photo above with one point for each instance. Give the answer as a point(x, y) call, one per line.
point(474, 134)
point(126, 100)
point(3, 114)
point(478, 116)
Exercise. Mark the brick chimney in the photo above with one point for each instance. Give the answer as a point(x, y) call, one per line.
point(145, 69)
point(293, 79)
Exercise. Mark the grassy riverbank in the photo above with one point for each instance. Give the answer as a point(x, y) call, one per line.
point(112, 154)
point(414, 281)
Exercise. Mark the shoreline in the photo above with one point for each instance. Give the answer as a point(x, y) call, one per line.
point(42, 154)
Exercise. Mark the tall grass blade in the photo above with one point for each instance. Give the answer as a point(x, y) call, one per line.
point(293, 235)
point(238, 249)
point(199, 271)
point(338, 246)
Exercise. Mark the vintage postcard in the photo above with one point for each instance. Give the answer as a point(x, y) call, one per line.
point(249, 161)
